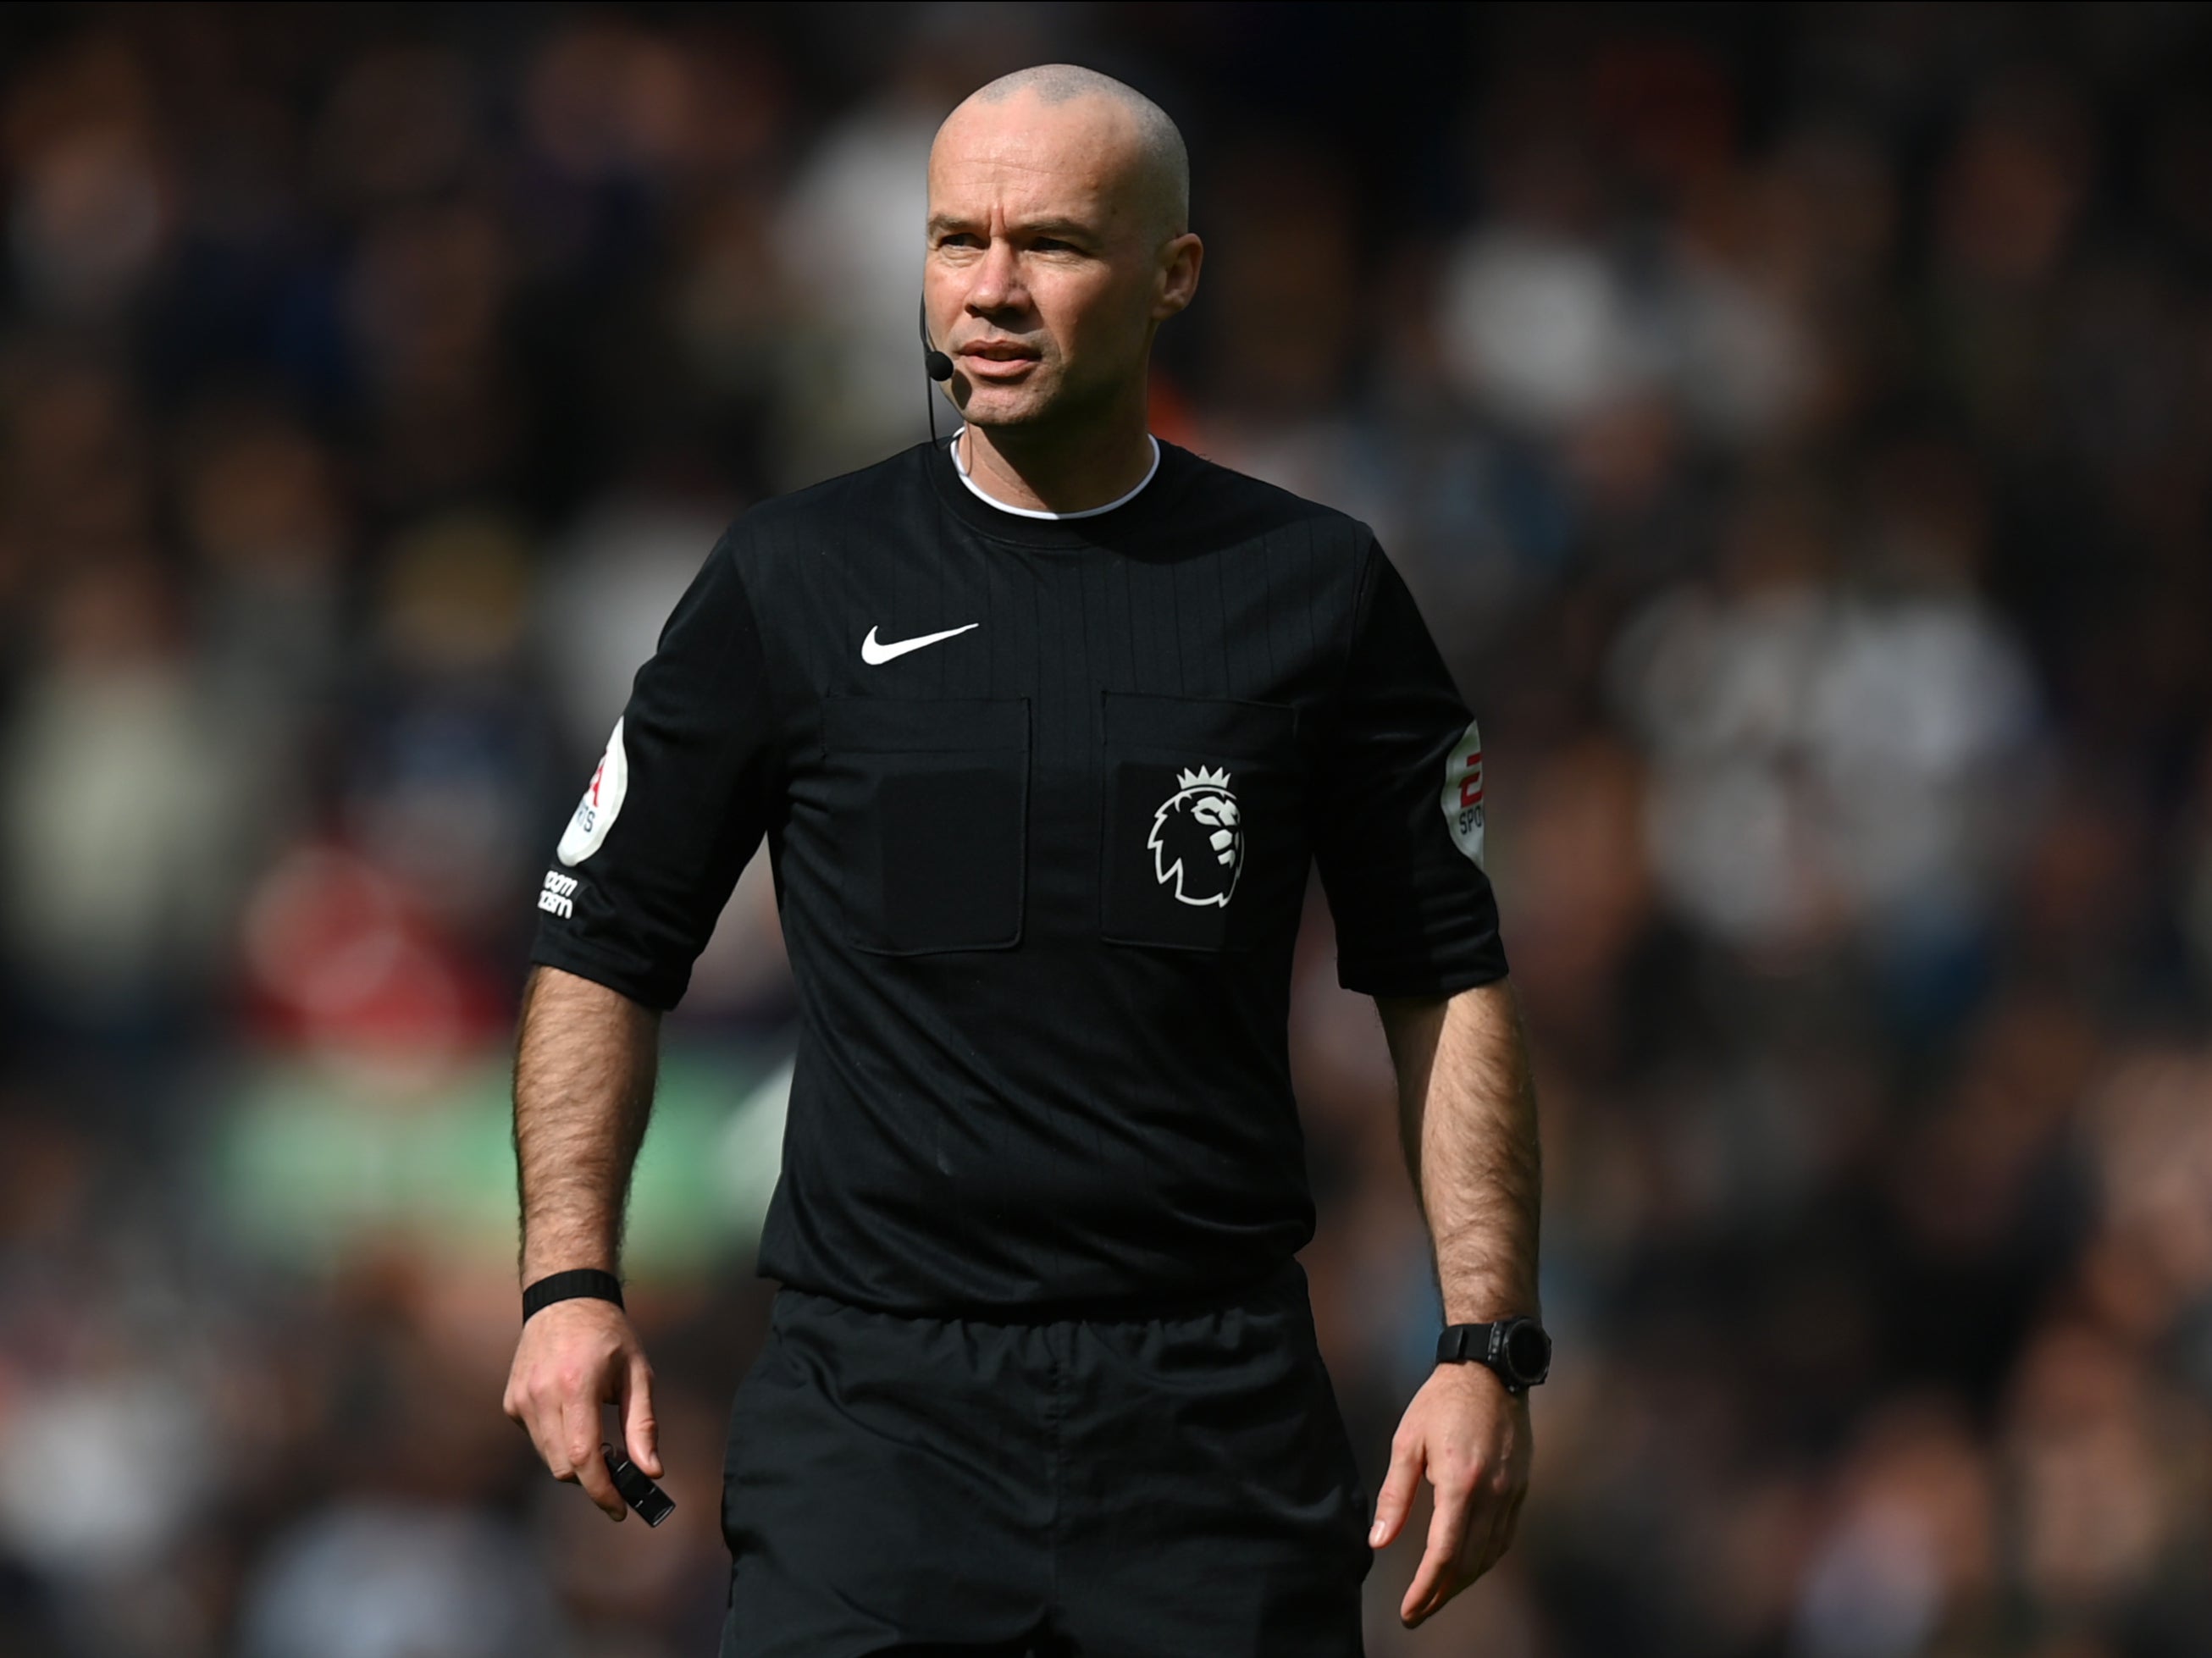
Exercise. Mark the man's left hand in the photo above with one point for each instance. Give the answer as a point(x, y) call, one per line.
point(1472, 1439)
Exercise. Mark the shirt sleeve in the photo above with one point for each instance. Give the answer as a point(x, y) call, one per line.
point(676, 805)
point(1399, 816)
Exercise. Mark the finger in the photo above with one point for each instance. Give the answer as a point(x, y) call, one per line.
point(540, 1418)
point(1408, 1456)
point(580, 1439)
point(1501, 1540)
point(640, 1431)
point(1438, 1577)
point(1489, 1530)
point(544, 1427)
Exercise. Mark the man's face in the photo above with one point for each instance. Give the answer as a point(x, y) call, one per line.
point(1049, 262)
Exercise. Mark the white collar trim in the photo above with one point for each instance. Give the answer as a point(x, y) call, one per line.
point(977, 490)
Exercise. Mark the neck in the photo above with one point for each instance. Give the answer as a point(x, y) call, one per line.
point(1059, 471)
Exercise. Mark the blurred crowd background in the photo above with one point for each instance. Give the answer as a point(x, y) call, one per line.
point(1796, 422)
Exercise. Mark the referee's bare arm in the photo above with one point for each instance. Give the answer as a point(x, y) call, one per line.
point(1467, 1114)
point(584, 1067)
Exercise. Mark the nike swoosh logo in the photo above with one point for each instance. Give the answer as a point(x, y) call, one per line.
point(876, 655)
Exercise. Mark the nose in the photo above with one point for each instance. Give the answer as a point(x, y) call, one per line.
point(995, 286)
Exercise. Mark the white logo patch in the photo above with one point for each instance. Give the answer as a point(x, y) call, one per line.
point(1198, 839)
point(558, 896)
point(875, 654)
point(595, 813)
point(1463, 795)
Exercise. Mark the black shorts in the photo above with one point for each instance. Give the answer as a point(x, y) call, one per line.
point(1114, 1488)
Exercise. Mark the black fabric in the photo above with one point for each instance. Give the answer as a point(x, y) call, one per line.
point(940, 794)
point(1139, 1488)
point(1040, 878)
point(577, 1282)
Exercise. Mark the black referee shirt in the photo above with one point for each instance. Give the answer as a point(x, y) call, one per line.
point(1039, 796)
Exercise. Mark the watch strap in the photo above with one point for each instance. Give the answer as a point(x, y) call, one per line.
point(1485, 1345)
point(566, 1286)
point(1464, 1343)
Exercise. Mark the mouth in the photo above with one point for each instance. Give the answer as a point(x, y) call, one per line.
point(999, 359)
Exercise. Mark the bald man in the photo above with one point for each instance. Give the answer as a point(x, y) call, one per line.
point(1043, 728)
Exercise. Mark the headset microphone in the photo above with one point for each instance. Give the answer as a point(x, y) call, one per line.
point(935, 363)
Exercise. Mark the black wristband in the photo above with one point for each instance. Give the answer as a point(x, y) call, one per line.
point(566, 1286)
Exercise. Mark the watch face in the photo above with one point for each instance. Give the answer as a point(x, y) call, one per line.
point(1528, 1351)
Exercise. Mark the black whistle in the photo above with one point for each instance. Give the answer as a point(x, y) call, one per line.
point(653, 1504)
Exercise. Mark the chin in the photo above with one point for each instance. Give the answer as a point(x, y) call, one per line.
point(990, 406)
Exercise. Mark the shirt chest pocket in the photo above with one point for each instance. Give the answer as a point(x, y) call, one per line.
point(934, 798)
point(1205, 842)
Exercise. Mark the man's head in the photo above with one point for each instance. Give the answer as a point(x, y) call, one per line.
point(1059, 241)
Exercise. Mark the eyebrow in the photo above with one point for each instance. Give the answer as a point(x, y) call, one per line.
point(1072, 229)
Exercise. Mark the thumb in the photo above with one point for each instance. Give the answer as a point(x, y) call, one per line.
point(641, 1433)
point(1407, 1456)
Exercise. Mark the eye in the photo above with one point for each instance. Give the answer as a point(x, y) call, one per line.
point(960, 238)
point(1053, 245)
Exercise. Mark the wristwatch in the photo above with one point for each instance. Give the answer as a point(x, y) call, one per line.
point(1515, 1348)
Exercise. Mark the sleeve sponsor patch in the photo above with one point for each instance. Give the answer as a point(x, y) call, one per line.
point(1463, 793)
point(558, 896)
point(603, 801)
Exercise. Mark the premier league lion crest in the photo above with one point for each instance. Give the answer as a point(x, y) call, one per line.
point(1198, 839)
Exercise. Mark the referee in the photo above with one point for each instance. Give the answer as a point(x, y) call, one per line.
point(1044, 727)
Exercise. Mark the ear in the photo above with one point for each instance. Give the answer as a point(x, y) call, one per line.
point(1181, 257)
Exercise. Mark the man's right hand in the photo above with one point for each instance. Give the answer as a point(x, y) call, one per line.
point(573, 1356)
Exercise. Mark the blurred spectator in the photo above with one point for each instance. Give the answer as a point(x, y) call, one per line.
point(1911, 1557)
point(386, 1580)
point(1828, 760)
point(127, 807)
